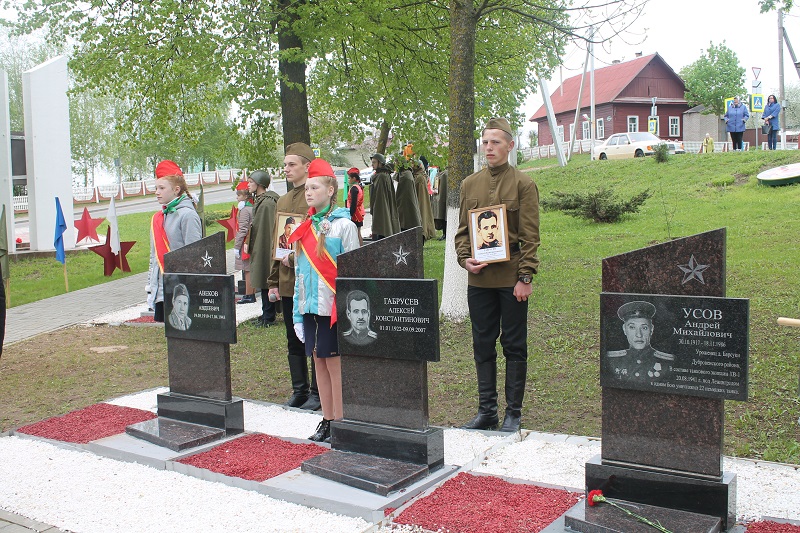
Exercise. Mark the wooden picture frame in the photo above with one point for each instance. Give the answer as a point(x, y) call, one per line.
point(279, 248)
point(488, 233)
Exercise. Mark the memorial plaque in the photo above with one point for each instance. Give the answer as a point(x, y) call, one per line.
point(389, 318)
point(200, 307)
point(689, 345)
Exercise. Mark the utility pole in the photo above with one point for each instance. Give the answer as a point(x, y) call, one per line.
point(781, 94)
point(591, 93)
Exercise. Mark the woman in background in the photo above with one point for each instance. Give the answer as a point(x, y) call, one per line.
point(771, 116)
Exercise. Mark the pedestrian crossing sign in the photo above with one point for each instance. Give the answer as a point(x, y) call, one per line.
point(757, 102)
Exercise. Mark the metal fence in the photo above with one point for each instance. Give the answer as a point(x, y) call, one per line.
point(120, 191)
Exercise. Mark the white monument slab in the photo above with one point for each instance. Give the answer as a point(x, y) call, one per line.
point(6, 183)
point(47, 151)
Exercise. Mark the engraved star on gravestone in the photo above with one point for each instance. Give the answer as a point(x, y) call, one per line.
point(207, 259)
point(400, 256)
point(693, 270)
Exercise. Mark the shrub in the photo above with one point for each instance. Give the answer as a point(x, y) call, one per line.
point(661, 153)
point(600, 206)
point(210, 217)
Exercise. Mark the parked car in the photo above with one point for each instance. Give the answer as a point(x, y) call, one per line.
point(366, 175)
point(633, 144)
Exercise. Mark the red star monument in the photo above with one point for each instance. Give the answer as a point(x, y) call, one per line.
point(112, 261)
point(231, 224)
point(87, 226)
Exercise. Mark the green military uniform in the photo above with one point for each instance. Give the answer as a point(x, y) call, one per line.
point(502, 185)
point(259, 243)
point(490, 293)
point(424, 201)
point(382, 204)
point(407, 200)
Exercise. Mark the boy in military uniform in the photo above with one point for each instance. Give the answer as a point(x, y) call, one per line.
point(640, 362)
point(497, 293)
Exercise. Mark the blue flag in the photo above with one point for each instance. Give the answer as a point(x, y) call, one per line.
point(61, 227)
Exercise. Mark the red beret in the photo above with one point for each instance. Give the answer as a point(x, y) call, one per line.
point(320, 167)
point(168, 168)
point(242, 186)
point(355, 171)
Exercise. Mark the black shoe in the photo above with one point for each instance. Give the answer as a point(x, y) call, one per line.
point(323, 431)
point(511, 423)
point(247, 299)
point(482, 421)
point(442, 238)
point(296, 400)
point(312, 404)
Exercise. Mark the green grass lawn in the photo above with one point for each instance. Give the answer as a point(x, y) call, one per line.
point(691, 194)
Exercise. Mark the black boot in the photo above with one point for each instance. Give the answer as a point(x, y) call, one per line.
point(516, 375)
point(323, 431)
point(487, 397)
point(313, 403)
point(298, 370)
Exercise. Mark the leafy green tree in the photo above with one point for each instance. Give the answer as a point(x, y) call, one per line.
point(716, 75)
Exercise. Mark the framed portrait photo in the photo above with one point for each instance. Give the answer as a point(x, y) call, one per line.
point(285, 225)
point(489, 234)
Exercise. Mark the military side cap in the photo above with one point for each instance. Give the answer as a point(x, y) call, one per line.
point(301, 149)
point(498, 123)
point(636, 309)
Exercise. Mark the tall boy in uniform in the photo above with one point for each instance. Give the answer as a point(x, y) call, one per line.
point(497, 293)
point(281, 280)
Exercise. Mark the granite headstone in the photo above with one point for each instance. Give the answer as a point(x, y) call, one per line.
point(199, 407)
point(665, 448)
point(384, 442)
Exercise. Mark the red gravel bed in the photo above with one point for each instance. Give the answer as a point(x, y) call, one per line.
point(255, 457)
point(486, 504)
point(90, 423)
point(772, 527)
point(142, 320)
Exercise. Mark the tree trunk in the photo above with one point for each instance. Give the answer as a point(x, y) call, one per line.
point(463, 23)
point(383, 139)
point(294, 100)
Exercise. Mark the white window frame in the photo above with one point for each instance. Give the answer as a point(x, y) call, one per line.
point(571, 131)
point(601, 128)
point(674, 126)
point(560, 132)
point(585, 130)
point(634, 123)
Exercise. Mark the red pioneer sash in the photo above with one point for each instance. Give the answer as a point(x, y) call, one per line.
point(306, 237)
point(160, 240)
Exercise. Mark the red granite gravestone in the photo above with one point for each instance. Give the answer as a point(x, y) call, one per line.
point(661, 448)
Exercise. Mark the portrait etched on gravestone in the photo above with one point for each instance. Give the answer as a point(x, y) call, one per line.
point(201, 307)
point(358, 314)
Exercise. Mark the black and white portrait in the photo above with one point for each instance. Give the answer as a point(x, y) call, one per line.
point(179, 317)
point(358, 313)
point(639, 361)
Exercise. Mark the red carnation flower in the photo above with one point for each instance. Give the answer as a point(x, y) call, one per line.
point(19, 240)
point(594, 497)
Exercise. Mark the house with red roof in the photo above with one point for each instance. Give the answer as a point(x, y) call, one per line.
point(624, 95)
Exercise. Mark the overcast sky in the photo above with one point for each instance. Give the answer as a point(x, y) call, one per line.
point(679, 30)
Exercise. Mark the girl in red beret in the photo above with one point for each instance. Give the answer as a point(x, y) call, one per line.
point(173, 226)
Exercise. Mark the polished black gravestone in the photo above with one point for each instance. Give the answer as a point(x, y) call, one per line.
point(384, 442)
point(660, 448)
point(199, 407)
point(603, 518)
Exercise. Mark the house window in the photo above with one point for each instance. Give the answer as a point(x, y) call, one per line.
point(633, 123)
point(560, 132)
point(601, 128)
point(571, 131)
point(674, 126)
point(585, 129)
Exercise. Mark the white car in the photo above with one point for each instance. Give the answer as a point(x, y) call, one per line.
point(633, 144)
point(366, 175)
